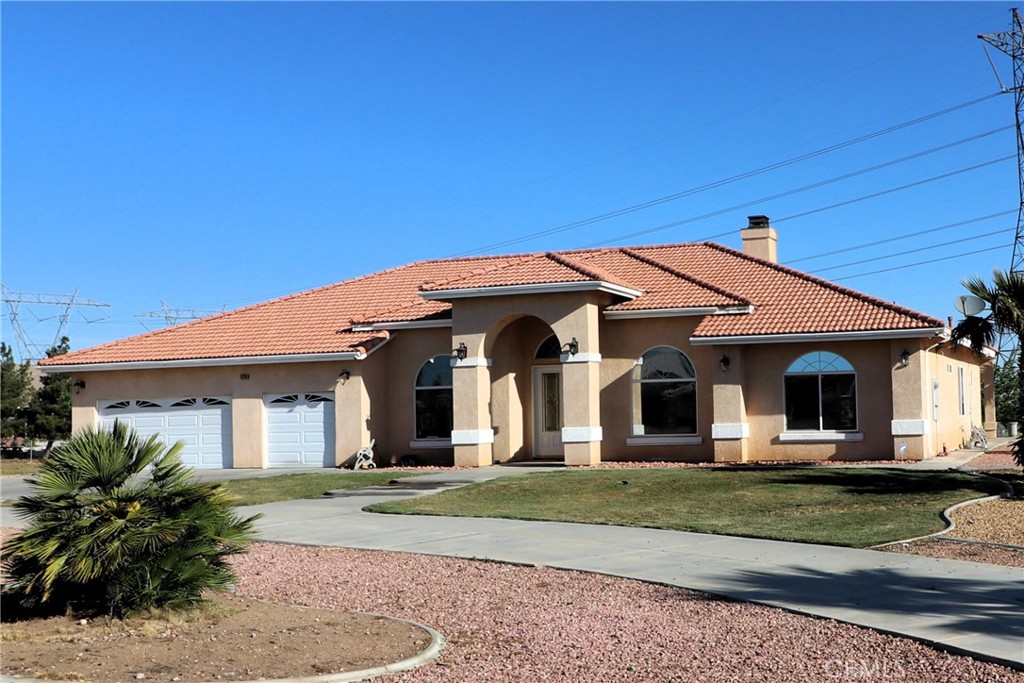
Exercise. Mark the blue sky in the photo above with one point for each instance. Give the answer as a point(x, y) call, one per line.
point(213, 155)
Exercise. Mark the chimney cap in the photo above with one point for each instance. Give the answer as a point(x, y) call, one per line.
point(758, 221)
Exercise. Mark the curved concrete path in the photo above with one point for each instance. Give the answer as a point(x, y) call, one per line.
point(965, 607)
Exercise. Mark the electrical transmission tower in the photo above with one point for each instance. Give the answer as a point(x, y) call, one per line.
point(175, 315)
point(1012, 43)
point(32, 351)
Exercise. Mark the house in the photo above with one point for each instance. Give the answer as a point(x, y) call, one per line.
point(683, 351)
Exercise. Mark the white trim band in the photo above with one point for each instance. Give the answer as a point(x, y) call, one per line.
point(582, 434)
point(472, 437)
point(819, 437)
point(213, 362)
point(664, 440)
point(581, 358)
point(538, 288)
point(474, 362)
point(909, 427)
point(403, 325)
point(730, 430)
point(921, 332)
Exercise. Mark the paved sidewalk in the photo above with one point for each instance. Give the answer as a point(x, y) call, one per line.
point(962, 606)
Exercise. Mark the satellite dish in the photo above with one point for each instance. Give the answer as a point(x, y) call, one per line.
point(969, 305)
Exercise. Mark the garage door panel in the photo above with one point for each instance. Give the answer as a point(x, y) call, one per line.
point(300, 430)
point(203, 428)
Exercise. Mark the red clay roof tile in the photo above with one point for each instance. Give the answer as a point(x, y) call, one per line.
point(320, 321)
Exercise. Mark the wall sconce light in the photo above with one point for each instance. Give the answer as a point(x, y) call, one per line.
point(904, 358)
point(344, 376)
point(460, 351)
point(571, 347)
point(79, 385)
point(724, 363)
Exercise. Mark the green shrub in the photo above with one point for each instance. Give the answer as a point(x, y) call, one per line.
point(116, 525)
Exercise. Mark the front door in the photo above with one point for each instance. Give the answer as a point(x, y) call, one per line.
point(547, 411)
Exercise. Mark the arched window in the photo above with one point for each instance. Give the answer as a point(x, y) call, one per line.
point(664, 393)
point(433, 396)
point(821, 393)
point(549, 348)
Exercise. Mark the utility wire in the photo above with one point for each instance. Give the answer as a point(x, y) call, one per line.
point(921, 263)
point(787, 193)
point(904, 236)
point(731, 179)
point(914, 251)
point(897, 189)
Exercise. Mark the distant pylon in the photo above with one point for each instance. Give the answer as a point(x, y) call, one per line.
point(30, 350)
point(1012, 43)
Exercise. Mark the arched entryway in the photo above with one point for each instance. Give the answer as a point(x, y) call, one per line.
point(526, 390)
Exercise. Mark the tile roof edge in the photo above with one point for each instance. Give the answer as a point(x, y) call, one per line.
point(632, 253)
point(821, 282)
point(503, 263)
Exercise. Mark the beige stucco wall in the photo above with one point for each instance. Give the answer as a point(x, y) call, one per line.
point(493, 391)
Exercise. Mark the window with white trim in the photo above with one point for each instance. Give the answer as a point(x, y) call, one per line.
point(433, 395)
point(821, 393)
point(664, 393)
point(961, 394)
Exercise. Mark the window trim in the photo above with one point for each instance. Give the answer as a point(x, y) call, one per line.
point(436, 441)
point(637, 437)
point(821, 434)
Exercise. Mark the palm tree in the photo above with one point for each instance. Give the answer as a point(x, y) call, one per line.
point(116, 525)
point(1004, 301)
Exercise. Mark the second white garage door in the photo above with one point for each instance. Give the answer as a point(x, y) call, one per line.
point(300, 430)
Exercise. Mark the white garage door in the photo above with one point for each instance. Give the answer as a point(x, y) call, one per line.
point(300, 430)
point(203, 423)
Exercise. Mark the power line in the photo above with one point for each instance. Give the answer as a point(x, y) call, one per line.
point(729, 180)
point(754, 202)
point(921, 263)
point(914, 251)
point(904, 236)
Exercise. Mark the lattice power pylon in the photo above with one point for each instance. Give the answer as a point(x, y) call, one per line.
point(29, 349)
point(1012, 43)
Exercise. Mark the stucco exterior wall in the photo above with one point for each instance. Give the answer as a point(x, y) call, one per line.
point(950, 427)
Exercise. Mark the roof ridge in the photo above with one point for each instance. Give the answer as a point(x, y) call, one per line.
point(821, 282)
point(593, 272)
point(503, 262)
point(630, 251)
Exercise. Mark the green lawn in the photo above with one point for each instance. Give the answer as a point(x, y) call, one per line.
point(836, 506)
point(20, 465)
point(312, 485)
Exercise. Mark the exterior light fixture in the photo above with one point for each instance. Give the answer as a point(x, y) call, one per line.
point(904, 358)
point(79, 385)
point(724, 363)
point(572, 347)
point(344, 376)
point(460, 351)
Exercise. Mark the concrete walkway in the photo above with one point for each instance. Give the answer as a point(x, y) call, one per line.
point(964, 607)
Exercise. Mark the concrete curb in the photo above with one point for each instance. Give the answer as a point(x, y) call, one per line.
point(429, 654)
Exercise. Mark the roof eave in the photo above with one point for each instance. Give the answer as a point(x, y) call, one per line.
point(793, 338)
point(680, 312)
point(529, 289)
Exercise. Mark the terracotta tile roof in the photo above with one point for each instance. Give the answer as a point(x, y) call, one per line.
point(320, 321)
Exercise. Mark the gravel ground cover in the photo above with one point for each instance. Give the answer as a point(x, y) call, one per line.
point(999, 459)
point(510, 623)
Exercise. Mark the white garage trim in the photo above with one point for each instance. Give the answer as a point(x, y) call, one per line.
point(300, 429)
point(202, 423)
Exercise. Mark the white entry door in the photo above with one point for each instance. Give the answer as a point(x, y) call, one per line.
point(300, 430)
point(547, 411)
point(202, 423)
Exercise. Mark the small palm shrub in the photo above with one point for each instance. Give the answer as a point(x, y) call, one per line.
point(117, 525)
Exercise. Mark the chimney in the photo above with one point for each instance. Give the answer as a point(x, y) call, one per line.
point(760, 238)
